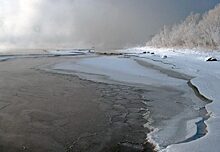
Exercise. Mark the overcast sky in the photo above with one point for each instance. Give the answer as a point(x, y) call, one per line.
point(87, 23)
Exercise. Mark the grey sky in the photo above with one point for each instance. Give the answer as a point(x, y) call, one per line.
point(87, 23)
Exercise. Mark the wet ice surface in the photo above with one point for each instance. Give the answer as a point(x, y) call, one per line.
point(41, 111)
point(173, 105)
point(124, 127)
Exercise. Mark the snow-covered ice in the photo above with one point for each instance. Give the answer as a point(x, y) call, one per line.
point(206, 79)
point(118, 69)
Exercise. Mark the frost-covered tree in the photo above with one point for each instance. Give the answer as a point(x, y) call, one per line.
point(194, 31)
point(209, 28)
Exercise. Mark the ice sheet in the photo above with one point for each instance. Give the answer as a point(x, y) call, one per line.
point(119, 69)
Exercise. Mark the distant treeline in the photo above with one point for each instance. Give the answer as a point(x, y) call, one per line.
point(196, 31)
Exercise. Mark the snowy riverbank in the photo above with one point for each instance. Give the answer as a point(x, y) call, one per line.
point(206, 79)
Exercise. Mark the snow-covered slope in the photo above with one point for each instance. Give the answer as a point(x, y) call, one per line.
point(206, 79)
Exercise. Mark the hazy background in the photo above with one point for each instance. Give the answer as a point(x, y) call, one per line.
point(104, 24)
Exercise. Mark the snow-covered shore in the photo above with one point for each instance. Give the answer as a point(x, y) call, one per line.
point(206, 79)
point(127, 70)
